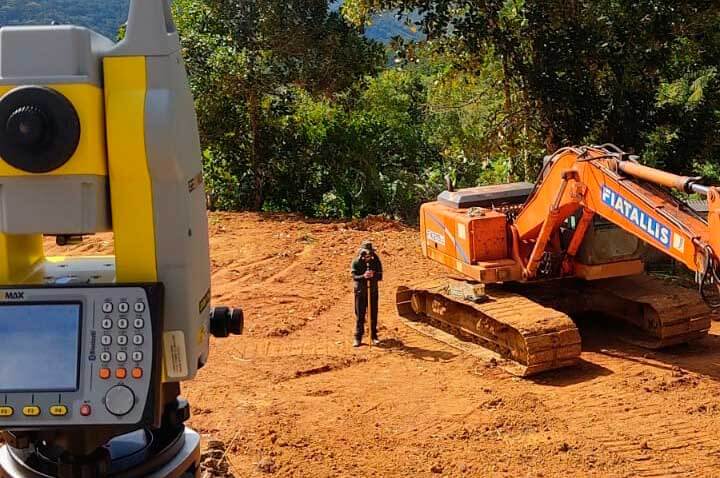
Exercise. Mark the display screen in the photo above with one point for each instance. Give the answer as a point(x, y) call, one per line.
point(39, 347)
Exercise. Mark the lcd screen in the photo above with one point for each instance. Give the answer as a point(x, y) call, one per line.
point(39, 347)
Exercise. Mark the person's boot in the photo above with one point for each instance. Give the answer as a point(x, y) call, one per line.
point(357, 343)
point(376, 341)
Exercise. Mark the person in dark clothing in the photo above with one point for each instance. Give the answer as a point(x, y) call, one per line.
point(366, 271)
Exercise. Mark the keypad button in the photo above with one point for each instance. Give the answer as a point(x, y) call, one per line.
point(121, 357)
point(139, 323)
point(122, 340)
point(123, 307)
point(104, 373)
point(138, 340)
point(58, 410)
point(137, 373)
point(105, 357)
point(106, 340)
point(31, 411)
point(6, 411)
point(85, 410)
point(123, 324)
point(107, 324)
point(107, 307)
point(121, 373)
point(137, 356)
point(139, 307)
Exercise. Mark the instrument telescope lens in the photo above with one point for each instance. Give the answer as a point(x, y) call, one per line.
point(39, 129)
point(27, 126)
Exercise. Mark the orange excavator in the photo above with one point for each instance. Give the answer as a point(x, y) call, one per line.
point(526, 258)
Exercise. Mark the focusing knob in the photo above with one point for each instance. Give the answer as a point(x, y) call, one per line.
point(237, 322)
point(225, 321)
point(27, 125)
point(39, 129)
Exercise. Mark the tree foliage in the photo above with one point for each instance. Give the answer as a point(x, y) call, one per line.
point(247, 59)
point(639, 73)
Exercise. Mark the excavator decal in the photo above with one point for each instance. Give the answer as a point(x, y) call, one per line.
point(657, 231)
point(440, 239)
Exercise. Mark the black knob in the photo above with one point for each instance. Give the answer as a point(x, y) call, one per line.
point(39, 129)
point(219, 321)
point(27, 126)
point(237, 322)
point(225, 321)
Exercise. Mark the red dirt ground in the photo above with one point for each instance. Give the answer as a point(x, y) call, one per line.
point(295, 397)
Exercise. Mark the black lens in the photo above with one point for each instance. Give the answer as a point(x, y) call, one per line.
point(27, 126)
point(39, 129)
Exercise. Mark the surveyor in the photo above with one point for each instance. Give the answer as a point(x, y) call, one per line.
point(366, 271)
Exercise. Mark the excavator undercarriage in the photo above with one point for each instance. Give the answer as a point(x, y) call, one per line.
point(531, 325)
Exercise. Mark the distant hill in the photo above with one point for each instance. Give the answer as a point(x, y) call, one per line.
point(105, 16)
point(385, 27)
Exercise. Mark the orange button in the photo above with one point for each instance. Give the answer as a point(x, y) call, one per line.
point(121, 373)
point(105, 373)
point(137, 372)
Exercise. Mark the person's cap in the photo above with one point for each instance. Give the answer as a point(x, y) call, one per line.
point(367, 246)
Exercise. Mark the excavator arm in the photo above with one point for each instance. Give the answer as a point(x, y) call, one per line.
point(604, 181)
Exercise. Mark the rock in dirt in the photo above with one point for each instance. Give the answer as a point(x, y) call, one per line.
point(212, 461)
point(436, 468)
point(267, 465)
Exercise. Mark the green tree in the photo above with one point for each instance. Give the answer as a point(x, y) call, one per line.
point(244, 58)
point(637, 73)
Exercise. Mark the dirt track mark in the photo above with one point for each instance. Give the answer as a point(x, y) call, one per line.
point(655, 439)
point(280, 275)
point(330, 367)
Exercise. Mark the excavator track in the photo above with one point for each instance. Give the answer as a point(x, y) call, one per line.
point(660, 313)
point(530, 337)
point(529, 325)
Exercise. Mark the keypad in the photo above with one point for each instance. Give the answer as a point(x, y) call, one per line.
point(118, 347)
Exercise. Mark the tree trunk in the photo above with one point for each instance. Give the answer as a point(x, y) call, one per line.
point(256, 151)
point(507, 106)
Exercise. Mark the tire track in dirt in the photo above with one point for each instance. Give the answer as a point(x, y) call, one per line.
point(281, 274)
point(656, 440)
